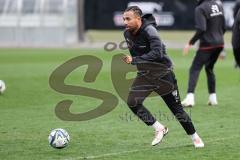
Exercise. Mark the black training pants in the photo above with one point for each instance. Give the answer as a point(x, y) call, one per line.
point(236, 52)
point(167, 88)
point(208, 59)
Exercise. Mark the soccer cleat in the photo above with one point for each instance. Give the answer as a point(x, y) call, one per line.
point(212, 99)
point(198, 143)
point(189, 100)
point(159, 135)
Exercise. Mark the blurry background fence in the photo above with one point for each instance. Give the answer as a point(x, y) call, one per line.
point(39, 23)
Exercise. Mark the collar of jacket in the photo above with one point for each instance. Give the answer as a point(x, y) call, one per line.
point(201, 1)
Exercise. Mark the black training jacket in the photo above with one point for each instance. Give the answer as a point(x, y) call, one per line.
point(236, 32)
point(210, 23)
point(236, 8)
point(145, 45)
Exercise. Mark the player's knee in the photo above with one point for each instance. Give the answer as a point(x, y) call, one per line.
point(192, 71)
point(132, 102)
point(208, 69)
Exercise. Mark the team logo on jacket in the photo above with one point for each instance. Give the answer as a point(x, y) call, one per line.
point(215, 11)
point(175, 94)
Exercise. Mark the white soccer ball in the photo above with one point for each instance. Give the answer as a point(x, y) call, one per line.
point(59, 138)
point(2, 87)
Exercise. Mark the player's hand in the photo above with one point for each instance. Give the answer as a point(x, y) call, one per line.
point(186, 49)
point(127, 59)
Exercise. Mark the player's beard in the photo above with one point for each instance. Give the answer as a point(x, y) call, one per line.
point(132, 30)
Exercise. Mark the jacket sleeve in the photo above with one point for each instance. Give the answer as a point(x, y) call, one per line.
point(200, 25)
point(157, 48)
point(196, 36)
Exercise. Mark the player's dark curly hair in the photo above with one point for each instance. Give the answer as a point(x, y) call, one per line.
point(137, 11)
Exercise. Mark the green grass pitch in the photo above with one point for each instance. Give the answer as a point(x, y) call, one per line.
point(27, 112)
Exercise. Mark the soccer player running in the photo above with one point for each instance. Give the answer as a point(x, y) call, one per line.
point(210, 28)
point(155, 73)
point(236, 34)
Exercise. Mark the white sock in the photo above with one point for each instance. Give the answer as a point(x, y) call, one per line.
point(213, 96)
point(194, 136)
point(190, 95)
point(157, 126)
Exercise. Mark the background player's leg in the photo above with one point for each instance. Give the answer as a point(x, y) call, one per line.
point(236, 52)
point(197, 64)
point(209, 66)
point(211, 80)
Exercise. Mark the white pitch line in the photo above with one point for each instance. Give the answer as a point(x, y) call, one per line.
point(139, 150)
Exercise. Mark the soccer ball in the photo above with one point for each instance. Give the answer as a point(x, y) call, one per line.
point(2, 87)
point(58, 138)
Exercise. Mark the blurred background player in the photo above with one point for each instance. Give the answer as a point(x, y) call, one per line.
point(236, 8)
point(155, 73)
point(210, 28)
point(236, 34)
